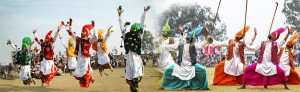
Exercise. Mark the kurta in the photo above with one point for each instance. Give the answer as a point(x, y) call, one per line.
point(185, 71)
point(165, 57)
point(72, 62)
point(234, 66)
point(185, 75)
point(83, 69)
point(266, 67)
point(102, 55)
point(284, 62)
point(134, 64)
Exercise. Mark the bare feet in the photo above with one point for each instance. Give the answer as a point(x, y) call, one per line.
point(42, 84)
point(48, 85)
point(34, 81)
point(208, 89)
point(111, 69)
point(243, 87)
point(287, 88)
point(160, 88)
point(93, 80)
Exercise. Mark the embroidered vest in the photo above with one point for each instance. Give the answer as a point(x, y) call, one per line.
point(291, 58)
point(241, 47)
point(192, 52)
point(274, 50)
point(47, 50)
point(85, 46)
point(24, 58)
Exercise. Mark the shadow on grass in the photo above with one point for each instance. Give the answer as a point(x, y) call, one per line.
point(9, 88)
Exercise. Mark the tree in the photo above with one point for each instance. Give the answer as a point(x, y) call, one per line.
point(147, 42)
point(192, 17)
point(292, 11)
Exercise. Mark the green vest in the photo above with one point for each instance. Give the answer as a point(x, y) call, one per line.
point(24, 58)
point(171, 41)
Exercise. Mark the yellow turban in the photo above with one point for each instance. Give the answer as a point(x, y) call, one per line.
point(71, 41)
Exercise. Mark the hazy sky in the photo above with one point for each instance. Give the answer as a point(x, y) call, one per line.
point(20, 17)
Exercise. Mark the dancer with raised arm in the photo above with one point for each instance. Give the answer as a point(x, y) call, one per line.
point(24, 60)
point(48, 69)
point(266, 71)
point(83, 70)
point(231, 70)
point(99, 46)
point(286, 60)
point(186, 73)
point(132, 43)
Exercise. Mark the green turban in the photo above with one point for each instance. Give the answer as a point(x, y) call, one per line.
point(166, 28)
point(137, 27)
point(26, 42)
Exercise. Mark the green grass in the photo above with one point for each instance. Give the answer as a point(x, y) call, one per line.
point(115, 82)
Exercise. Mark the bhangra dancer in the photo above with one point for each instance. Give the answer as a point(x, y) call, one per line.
point(71, 57)
point(83, 70)
point(99, 46)
point(286, 61)
point(266, 71)
point(167, 57)
point(48, 69)
point(24, 60)
point(132, 42)
point(186, 73)
point(231, 70)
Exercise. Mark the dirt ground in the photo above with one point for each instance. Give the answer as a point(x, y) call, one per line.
point(115, 82)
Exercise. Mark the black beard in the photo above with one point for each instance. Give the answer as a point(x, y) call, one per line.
point(269, 37)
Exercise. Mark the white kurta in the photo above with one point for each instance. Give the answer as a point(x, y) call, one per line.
point(72, 63)
point(234, 66)
point(185, 71)
point(284, 62)
point(102, 55)
point(46, 66)
point(83, 62)
point(134, 64)
point(165, 57)
point(266, 67)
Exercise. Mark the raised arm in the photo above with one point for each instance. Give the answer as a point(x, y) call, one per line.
point(253, 39)
point(56, 33)
point(143, 19)
point(36, 37)
point(70, 31)
point(12, 45)
point(176, 40)
point(93, 34)
point(122, 25)
point(107, 34)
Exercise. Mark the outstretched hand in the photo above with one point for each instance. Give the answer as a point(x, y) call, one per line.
point(291, 30)
point(70, 21)
point(120, 12)
point(109, 28)
point(31, 43)
point(93, 23)
point(180, 28)
point(255, 31)
point(9, 42)
point(34, 30)
point(147, 8)
point(59, 28)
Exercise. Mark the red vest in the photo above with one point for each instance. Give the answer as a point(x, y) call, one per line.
point(274, 50)
point(47, 51)
point(85, 46)
point(241, 47)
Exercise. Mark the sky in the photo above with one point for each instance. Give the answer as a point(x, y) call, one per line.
point(18, 18)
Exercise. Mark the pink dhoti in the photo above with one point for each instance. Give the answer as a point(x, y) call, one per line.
point(255, 79)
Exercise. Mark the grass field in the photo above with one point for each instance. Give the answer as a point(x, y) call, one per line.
point(115, 82)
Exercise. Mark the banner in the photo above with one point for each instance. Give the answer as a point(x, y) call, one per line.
point(209, 50)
